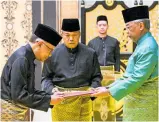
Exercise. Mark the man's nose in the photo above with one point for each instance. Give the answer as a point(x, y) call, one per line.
point(71, 39)
point(127, 31)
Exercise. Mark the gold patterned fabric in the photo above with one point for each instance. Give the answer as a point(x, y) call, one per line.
point(13, 112)
point(78, 108)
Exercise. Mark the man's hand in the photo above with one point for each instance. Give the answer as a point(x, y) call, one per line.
point(101, 92)
point(56, 98)
point(55, 90)
point(91, 89)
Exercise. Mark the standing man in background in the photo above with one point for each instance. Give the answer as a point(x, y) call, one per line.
point(106, 47)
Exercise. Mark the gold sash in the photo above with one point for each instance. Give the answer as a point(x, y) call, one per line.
point(78, 108)
point(13, 112)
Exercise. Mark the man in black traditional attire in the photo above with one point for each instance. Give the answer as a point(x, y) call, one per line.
point(72, 67)
point(18, 92)
point(106, 47)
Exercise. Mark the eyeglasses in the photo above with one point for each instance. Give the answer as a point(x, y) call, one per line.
point(131, 26)
point(48, 47)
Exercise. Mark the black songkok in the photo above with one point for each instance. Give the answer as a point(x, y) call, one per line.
point(135, 13)
point(101, 18)
point(48, 34)
point(70, 25)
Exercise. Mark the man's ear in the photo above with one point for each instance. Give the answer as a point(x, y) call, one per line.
point(107, 26)
point(61, 32)
point(96, 25)
point(142, 26)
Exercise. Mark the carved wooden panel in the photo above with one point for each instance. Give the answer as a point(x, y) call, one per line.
point(16, 26)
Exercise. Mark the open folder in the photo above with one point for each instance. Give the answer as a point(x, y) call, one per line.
point(77, 93)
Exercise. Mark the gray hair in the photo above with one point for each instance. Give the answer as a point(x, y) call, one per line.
point(33, 38)
point(145, 21)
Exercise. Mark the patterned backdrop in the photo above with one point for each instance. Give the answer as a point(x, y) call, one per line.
point(16, 26)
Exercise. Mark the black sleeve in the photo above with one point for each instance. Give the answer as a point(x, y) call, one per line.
point(117, 57)
point(47, 75)
point(96, 73)
point(19, 87)
point(90, 44)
